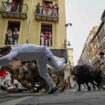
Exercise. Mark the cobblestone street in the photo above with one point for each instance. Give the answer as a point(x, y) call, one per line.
point(65, 98)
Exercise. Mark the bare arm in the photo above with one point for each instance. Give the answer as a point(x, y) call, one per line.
point(5, 60)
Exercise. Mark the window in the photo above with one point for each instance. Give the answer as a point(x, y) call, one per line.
point(12, 34)
point(49, 9)
point(46, 35)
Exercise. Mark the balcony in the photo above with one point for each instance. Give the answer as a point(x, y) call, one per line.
point(48, 14)
point(14, 11)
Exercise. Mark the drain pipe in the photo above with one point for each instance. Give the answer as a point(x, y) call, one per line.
point(30, 21)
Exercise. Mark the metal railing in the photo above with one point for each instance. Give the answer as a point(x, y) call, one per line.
point(47, 12)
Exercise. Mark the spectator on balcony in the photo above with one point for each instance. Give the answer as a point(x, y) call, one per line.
point(13, 6)
point(47, 9)
point(15, 36)
point(38, 9)
point(8, 40)
point(44, 9)
point(8, 5)
point(50, 11)
point(55, 10)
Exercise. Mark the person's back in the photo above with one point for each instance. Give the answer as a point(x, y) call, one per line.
point(27, 48)
point(28, 52)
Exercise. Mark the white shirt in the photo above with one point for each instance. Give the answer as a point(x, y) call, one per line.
point(25, 52)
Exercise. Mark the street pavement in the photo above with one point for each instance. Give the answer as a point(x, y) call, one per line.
point(70, 97)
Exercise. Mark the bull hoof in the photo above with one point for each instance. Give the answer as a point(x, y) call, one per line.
point(94, 88)
point(78, 90)
point(99, 88)
point(89, 89)
point(103, 87)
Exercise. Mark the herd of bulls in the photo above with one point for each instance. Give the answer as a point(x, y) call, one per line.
point(85, 75)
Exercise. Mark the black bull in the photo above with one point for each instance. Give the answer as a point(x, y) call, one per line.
point(85, 74)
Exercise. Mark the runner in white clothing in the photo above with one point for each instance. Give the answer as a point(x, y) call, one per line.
point(30, 52)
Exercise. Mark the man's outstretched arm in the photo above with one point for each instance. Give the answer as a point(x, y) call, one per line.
point(5, 60)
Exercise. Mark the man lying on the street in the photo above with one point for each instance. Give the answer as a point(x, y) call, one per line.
point(30, 52)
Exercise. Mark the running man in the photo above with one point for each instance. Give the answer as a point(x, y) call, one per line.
point(31, 52)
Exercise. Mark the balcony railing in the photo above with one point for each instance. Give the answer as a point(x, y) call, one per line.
point(46, 14)
point(15, 11)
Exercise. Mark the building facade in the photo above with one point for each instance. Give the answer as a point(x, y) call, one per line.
point(87, 54)
point(39, 22)
point(95, 43)
point(98, 44)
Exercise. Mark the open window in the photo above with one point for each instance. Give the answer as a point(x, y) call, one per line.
point(12, 34)
point(46, 35)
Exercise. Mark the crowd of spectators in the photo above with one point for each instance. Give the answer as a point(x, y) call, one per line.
point(11, 5)
point(46, 38)
point(24, 76)
point(12, 36)
point(47, 9)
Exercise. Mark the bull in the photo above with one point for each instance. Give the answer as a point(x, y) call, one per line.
point(86, 74)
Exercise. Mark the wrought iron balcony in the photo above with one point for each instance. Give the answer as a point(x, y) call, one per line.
point(46, 14)
point(14, 11)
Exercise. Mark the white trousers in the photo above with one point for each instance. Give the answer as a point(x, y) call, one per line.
point(42, 66)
